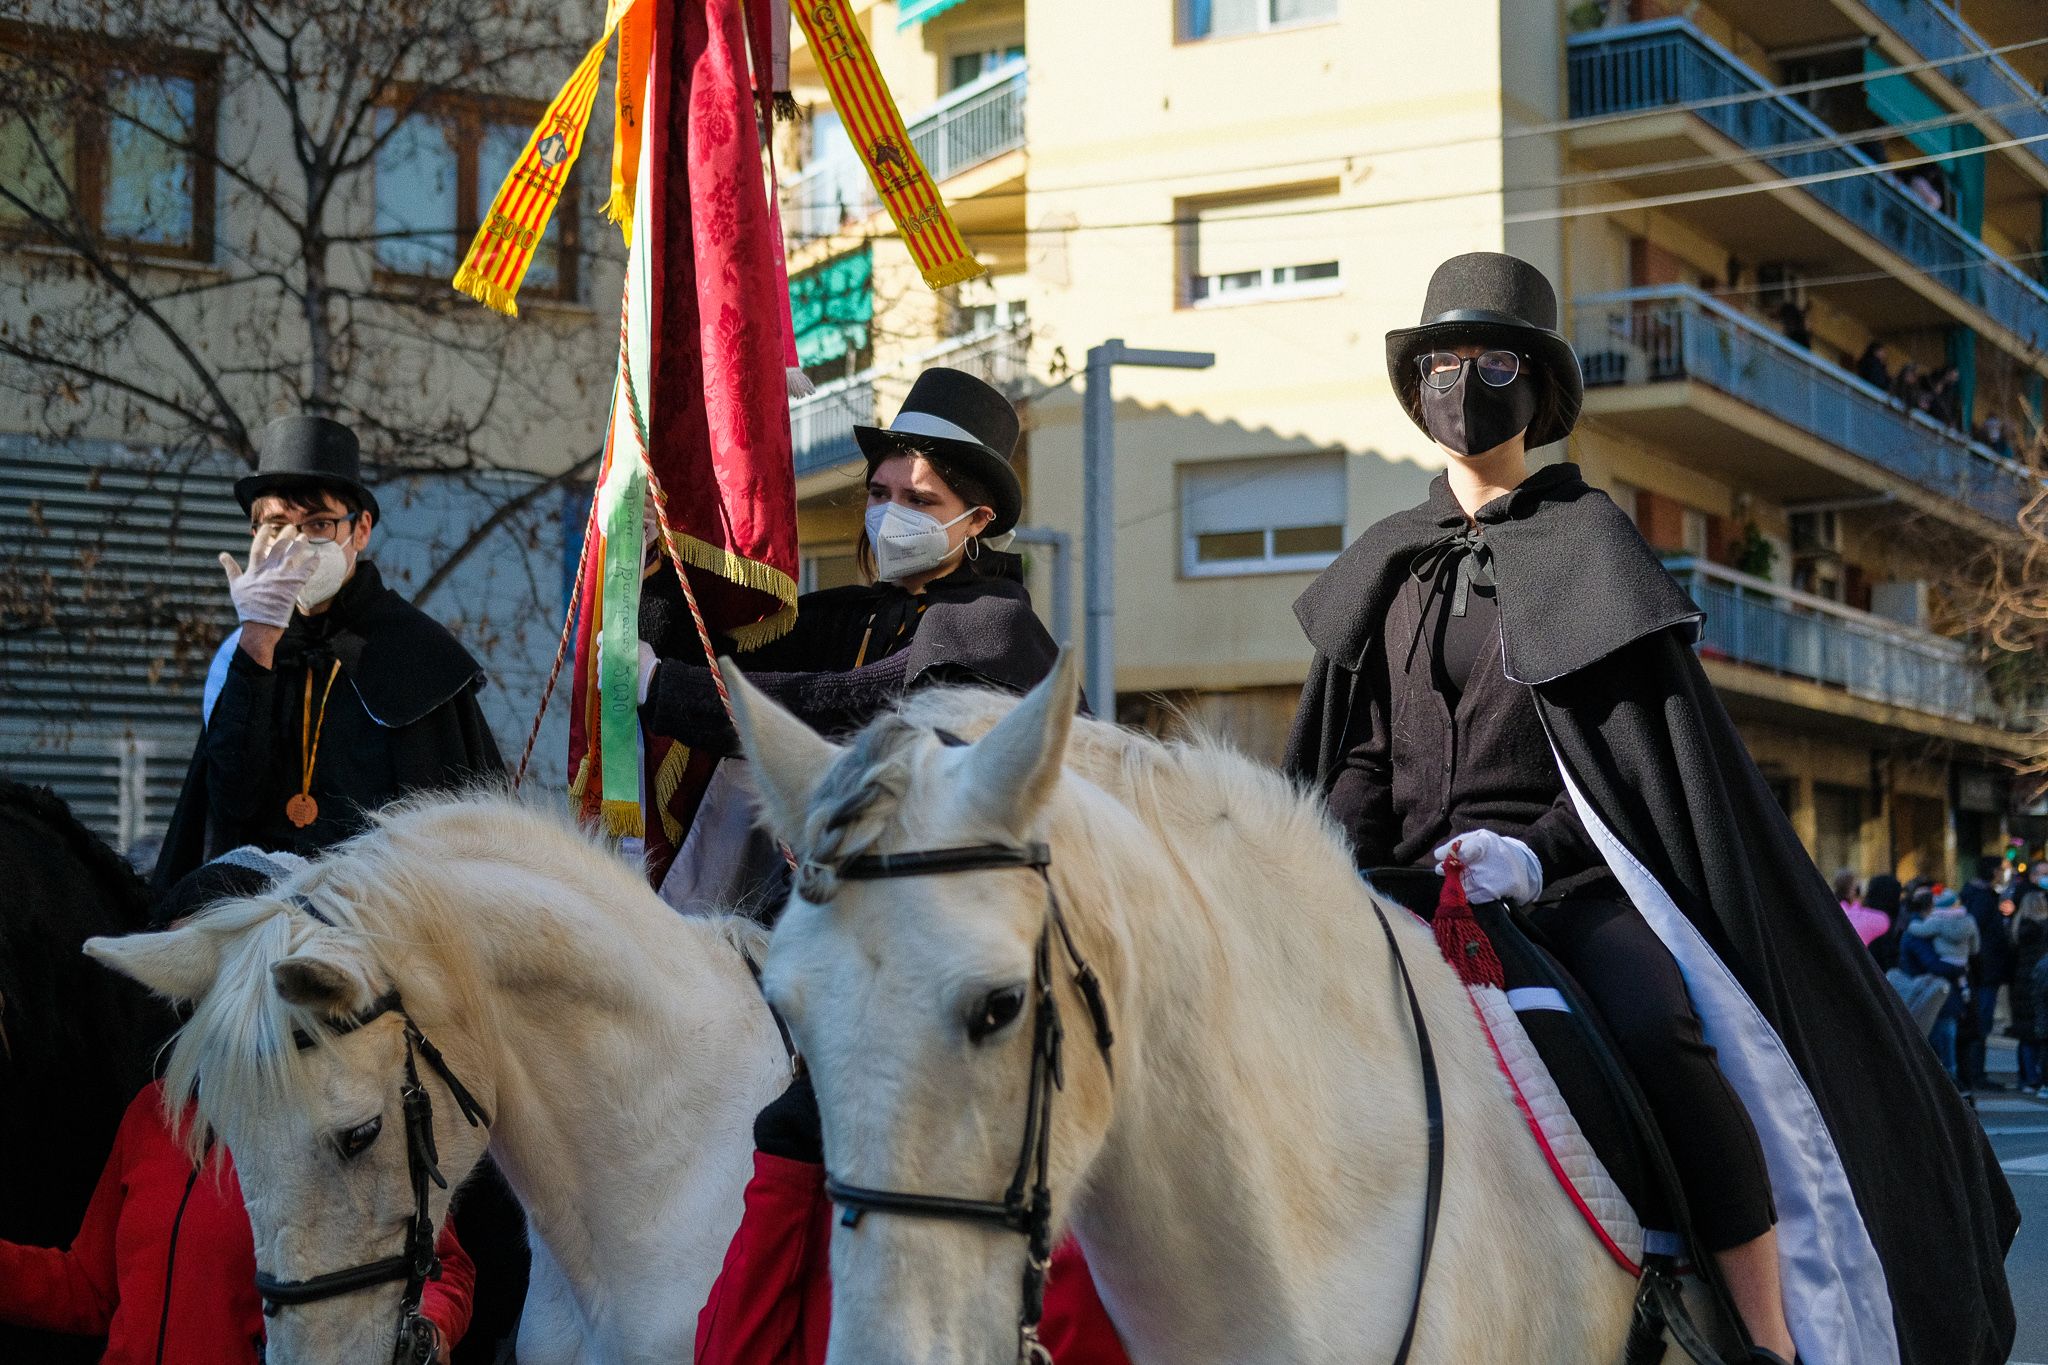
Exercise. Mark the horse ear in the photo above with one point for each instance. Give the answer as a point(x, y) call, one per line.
point(178, 964)
point(316, 984)
point(789, 757)
point(1012, 768)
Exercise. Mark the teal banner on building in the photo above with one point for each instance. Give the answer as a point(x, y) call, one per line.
point(831, 306)
point(910, 13)
point(1898, 101)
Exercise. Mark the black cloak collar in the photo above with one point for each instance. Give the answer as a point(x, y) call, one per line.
point(1554, 539)
point(401, 661)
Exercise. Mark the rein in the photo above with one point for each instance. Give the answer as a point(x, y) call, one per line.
point(1433, 1110)
point(417, 1263)
point(1026, 1205)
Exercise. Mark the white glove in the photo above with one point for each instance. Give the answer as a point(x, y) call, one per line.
point(279, 565)
point(648, 662)
point(1497, 867)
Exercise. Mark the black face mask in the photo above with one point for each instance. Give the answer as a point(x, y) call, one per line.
point(1472, 418)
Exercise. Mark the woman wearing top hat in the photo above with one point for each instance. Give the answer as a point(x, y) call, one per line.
point(1506, 671)
point(942, 606)
point(942, 603)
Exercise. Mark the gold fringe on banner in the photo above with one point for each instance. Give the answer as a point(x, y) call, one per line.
point(883, 143)
point(748, 573)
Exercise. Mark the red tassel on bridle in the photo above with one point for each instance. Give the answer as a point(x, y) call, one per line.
point(1458, 936)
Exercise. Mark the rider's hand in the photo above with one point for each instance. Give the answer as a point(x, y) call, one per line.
point(1498, 867)
point(279, 565)
point(649, 661)
point(789, 1126)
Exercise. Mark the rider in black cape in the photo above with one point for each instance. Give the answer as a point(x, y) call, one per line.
point(1884, 1183)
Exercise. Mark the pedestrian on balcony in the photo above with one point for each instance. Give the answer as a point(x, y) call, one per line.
point(1506, 674)
point(1945, 398)
point(1792, 320)
point(943, 602)
point(1909, 383)
point(2029, 956)
point(1873, 369)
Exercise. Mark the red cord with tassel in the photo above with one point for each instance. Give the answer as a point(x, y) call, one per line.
point(1458, 936)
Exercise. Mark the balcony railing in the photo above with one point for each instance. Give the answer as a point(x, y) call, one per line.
point(1937, 33)
point(1755, 622)
point(821, 425)
point(1667, 63)
point(1647, 336)
point(978, 122)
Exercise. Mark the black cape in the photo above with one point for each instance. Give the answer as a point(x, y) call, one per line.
point(972, 626)
point(1602, 634)
point(402, 719)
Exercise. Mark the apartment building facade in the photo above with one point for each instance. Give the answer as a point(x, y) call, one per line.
point(1736, 202)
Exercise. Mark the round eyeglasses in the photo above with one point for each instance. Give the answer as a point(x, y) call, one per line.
point(1497, 369)
point(313, 530)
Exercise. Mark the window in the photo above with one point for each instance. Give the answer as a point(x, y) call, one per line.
point(833, 567)
point(129, 143)
point(971, 319)
point(1257, 247)
point(1222, 18)
point(1276, 514)
point(437, 171)
point(968, 67)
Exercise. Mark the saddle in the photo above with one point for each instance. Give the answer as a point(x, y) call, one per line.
point(1582, 1106)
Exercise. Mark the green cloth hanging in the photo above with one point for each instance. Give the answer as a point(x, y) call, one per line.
point(1898, 101)
point(832, 306)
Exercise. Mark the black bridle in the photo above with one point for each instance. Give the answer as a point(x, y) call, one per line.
point(1026, 1205)
point(417, 1263)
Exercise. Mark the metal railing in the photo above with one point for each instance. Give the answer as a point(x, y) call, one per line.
point(978, 122)
point(1753, 621)
point(1937, 32)
point(1648, 336)
point(1667, 63)
point(821, 424)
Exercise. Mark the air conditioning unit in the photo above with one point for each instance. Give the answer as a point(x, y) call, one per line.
point(1816, 533)
point(1903, 600)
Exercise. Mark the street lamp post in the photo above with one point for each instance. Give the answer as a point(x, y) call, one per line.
point(1098, 488)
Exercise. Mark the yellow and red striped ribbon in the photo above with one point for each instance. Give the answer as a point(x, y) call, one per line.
point(869, 115)
point(497, 261)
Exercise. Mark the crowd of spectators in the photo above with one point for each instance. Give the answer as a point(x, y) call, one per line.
point(1952, 952)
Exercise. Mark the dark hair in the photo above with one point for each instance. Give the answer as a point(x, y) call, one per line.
point(1987, 867)
point(969, 489)
point(312, 495)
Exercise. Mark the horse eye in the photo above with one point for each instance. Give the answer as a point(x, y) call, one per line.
point(357, 1140)
point(997, 1010)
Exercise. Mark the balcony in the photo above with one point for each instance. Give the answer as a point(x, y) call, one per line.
point(821, 425)
point(1751, 621)
point(1640, 339)
point(970, 127)
point(1938, 33)
point(1668, 65)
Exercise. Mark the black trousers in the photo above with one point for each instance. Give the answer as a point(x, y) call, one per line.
point(1634, 982)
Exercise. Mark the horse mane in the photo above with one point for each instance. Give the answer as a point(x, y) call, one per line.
point(409, 881)
point(127, 893)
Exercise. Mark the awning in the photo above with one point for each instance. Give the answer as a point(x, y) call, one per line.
point(913, 12)
point(831, 306)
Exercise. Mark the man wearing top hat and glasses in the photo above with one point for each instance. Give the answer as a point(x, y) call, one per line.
point(339, 695)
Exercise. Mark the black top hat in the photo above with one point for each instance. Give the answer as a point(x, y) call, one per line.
point(301, 451)
point(963, 423)
point(1489, 298)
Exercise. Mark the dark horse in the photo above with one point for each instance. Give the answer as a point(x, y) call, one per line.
point(76, 1040)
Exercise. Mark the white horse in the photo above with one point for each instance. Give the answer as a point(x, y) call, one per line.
point(1248, 1186)
point(620, 1050)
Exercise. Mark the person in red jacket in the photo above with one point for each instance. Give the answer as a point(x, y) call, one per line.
point(772, 1303)
point(164, 1265)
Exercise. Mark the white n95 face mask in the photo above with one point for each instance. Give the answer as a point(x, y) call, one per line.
point(908, 542)
point(330, 570)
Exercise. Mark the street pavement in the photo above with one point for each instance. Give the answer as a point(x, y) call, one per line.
point(2018, 1127)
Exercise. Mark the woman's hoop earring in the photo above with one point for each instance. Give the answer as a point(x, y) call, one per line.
point(973, 548)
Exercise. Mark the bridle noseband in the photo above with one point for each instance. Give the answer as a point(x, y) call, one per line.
point(1026, 1205)
point(417, 1263)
